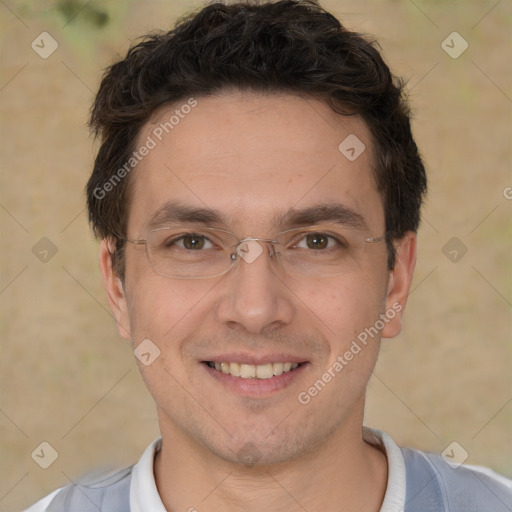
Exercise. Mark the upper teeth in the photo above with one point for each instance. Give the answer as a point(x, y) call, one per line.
point(253, 371)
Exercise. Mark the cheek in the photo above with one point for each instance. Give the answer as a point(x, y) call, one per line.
point(347, 304)
point(166, 312)
point(161, 308)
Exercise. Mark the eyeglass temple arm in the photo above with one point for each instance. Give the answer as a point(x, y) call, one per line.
point(136, 242)
point(376, 239)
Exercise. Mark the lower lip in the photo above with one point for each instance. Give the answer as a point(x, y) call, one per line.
point(256, 387)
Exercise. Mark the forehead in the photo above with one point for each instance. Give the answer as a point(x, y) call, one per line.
point(253, 157)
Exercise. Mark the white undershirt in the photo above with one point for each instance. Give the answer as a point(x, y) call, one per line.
point(144, 495)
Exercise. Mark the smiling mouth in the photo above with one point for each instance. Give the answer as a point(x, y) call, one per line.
point(253, 371)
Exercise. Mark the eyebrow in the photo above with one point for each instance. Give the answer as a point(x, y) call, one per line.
point(324, 212)
point(178, 212)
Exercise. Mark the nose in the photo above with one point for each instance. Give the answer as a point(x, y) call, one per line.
point(254, 298)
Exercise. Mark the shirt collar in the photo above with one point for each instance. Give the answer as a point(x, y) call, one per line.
point(394, 499)
point(144, 493)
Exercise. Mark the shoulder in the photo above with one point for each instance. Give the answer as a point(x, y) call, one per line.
point(434, 483)
point(109, 492)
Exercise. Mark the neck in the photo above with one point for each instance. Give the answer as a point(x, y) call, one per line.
point(345, 474)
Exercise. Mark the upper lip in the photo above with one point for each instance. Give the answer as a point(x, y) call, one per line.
point(255, 359)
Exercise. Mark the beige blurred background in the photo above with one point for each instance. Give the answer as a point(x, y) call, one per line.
point(67, 378)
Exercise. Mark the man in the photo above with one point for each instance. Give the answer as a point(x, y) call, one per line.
point(257, 195)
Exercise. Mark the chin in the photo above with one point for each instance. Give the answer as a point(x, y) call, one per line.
point(253, 449)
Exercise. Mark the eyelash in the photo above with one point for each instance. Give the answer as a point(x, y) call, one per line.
point(177, 239)
point(301, 237)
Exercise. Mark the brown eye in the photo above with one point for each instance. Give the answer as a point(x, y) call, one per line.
point(317, 241)
point(193, 242)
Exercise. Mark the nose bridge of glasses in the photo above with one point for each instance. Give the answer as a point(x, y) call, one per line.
point(250, 248)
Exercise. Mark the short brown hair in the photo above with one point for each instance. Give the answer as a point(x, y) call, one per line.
point(292, 46)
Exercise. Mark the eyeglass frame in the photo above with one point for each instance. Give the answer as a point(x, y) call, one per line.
point(235, 255)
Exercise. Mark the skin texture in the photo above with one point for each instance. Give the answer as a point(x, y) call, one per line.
point(250, 156)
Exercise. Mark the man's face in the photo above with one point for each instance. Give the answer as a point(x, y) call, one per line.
point(254, 159)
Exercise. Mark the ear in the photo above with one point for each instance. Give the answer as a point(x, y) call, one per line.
point(114, 288)
point(399, 283)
